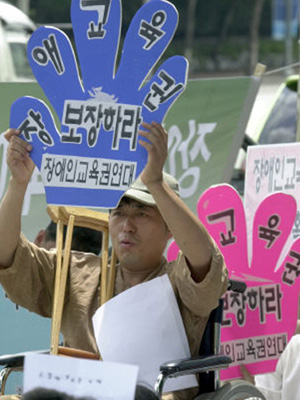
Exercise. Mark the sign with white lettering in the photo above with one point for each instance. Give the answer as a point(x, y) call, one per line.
point(95, 155)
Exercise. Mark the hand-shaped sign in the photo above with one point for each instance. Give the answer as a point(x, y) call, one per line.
point(95, 156)
point(258, 323)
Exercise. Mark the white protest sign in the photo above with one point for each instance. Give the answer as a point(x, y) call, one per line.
point(269, 169)
point(79, 377)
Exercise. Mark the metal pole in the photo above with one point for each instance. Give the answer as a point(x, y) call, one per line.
point(24, 5)
point(190, 31)
point(288, 36)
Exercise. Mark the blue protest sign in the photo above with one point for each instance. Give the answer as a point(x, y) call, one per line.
point(95, 155)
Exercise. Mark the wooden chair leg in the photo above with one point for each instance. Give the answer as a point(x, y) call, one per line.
point(62, 288)
point(104, 267)
point(59, 246)
point(71, 216)
point(112, 276)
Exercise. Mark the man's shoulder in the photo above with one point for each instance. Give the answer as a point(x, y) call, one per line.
point(80, 259)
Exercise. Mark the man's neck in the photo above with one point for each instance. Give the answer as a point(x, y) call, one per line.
point(134, 277)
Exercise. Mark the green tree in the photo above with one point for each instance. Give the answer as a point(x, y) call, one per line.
point(50, 11)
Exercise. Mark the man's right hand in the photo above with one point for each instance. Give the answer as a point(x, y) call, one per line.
point(21, 167)
point(18, 157)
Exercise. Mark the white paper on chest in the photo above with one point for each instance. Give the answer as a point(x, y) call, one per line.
point(143, 326)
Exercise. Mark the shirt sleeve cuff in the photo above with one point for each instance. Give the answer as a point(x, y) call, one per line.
point(203, 296)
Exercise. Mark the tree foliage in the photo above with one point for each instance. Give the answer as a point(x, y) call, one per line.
point(209, 16)
point(50, 11)
point(214, 27)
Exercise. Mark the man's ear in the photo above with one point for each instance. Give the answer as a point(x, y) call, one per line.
point(40, 237)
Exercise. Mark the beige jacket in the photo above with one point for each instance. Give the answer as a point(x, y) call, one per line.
point(29, 282)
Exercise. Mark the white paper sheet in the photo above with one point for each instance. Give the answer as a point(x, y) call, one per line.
point(143, 326)
point(79, 377)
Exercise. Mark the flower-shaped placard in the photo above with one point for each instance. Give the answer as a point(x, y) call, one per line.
point(95, 155)
point(257, 324)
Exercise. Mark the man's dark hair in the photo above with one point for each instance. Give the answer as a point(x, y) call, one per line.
point(141, 393)
point(50, 394)
point(84, 239)
point(50, 232)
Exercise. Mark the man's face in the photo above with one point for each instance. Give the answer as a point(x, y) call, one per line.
point(139, 235)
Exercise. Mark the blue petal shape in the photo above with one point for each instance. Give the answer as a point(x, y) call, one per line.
point(100, 109)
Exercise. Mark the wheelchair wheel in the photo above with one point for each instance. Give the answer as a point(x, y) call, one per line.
point(238, 390)
point(204, 396)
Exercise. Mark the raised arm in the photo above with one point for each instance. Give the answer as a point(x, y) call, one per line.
point(21, 167)
point(189, 233)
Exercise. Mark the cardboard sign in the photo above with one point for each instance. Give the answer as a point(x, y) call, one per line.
point(258, 323)
point(80, 378)
point(202, 146)
point(270, 169)
point(95, 156)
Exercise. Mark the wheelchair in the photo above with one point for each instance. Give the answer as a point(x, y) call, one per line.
point(207, 364)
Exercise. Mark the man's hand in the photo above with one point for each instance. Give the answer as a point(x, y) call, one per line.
point(18, 158)
point(246, 374)
point(186, 229)
point(157, 148)
point(21, 167)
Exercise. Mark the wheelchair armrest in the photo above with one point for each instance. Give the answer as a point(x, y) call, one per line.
point(10, 363)
point(194, 365)
point(17, 360)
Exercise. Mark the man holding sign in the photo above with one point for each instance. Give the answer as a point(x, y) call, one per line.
point(106, 140)
point(140, 228)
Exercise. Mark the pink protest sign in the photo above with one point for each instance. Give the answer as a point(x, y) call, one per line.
point(258, 323)
point(272, 168)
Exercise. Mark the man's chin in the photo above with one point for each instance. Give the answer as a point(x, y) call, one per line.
point(128, 258)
